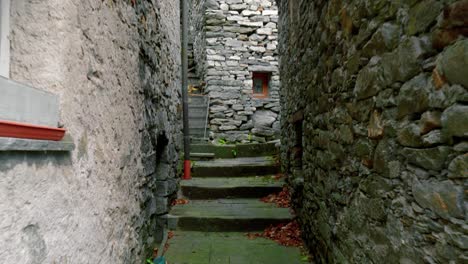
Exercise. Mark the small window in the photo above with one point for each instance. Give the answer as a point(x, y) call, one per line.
point(260, 84)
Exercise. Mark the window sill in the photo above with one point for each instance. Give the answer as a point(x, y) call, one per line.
point(31, 145)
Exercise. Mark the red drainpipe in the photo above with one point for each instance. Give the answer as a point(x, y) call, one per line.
point(184, 58)
point(187, 175)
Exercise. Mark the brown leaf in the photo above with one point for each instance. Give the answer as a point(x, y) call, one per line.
point(179, 202)
point(281, 199)
point(284, 234)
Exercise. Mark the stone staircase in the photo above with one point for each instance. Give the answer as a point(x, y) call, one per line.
point(198, 102)
point(224, 193)
point(224, 203)
point(198, 111)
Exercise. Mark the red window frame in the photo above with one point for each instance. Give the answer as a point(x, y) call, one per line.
point(265, 77)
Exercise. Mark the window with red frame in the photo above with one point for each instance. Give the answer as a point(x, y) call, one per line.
point(260, 84)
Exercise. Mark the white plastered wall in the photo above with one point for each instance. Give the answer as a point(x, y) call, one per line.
point(4, 38)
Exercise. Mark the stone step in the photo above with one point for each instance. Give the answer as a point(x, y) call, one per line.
point(198, 139)
point(217, 188)
point(237, 167)
point(197, 111)
point(194, 80)
point(201, 100)
point(198, 115)
point(228, 247)
point(202, 156)
point(227, 215)
point(197, 121)
point(198, 132)
point(197, 125)
point(241, 150)
point(197, 106)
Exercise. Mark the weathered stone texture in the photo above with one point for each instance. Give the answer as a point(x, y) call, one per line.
point(233, 39)
point(115, 67)
point(374, 127)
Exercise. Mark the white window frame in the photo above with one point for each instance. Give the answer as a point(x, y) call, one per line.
point(5, 38)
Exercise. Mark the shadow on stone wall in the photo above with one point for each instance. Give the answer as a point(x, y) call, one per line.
point(383, 89)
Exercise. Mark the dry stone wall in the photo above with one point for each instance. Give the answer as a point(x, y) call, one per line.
point(197, 36)
point(374, 128)
point(239, 37)
point(115, 67)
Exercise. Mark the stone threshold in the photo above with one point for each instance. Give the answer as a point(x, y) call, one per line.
point(19, 144)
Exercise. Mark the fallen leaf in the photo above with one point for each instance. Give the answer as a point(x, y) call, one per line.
point(179, 202)
point(281, 199)
point(284, 234)
point(279, 176)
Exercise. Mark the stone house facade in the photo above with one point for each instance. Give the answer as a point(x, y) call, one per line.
point(235, 50)
point(114, 67)
point(375, 128)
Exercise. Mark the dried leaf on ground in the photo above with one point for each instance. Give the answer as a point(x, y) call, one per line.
point(279, 176)
point(180, 201)
point(252, 236)
point(170, 235)
point(284, 234)
point(281, 199)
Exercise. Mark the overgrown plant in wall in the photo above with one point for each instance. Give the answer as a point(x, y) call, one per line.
point(222, 141)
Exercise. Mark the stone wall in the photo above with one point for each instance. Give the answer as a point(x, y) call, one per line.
point(374, 128)
point(197, 35)
point(115, 66)
point(240, 37)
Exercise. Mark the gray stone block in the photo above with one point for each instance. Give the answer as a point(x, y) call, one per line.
point(18, 144)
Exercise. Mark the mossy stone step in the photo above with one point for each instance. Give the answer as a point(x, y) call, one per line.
point(197, 132)
point(228, 215)
point(238, 167)
point(245, 187)
point(202, 156)
point(239, 150)
point(191, 247)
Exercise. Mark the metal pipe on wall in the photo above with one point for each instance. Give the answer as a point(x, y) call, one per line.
point(184, 9)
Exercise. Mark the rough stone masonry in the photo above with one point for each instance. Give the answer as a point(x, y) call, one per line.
point(375, 127)
point(234, 39)
point(115, 67)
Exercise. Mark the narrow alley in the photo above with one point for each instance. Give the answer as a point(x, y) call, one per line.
point(233, 131)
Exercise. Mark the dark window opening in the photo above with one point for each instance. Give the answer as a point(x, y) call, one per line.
point(261, 81)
